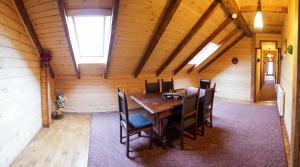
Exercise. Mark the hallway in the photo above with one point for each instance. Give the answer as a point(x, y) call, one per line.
point(267, 92)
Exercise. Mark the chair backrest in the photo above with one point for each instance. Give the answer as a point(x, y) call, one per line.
point(190, 103)
point(167, 85)
point(209, 100)
point(123, 108)
point(204, 84)
point(152, 87)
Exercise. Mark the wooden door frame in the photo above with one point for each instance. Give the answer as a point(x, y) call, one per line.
point(253, 71)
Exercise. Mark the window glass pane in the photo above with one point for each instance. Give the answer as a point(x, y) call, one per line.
point(90, 35)
point(208, 50)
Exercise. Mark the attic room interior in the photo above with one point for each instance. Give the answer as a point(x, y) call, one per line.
point(93, 83)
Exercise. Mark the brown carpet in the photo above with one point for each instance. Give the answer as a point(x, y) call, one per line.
point(243, 136)
point(267, 92)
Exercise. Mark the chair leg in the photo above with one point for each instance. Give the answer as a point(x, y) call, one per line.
point(181, 139)
point(202, 128)
point(127, 145)
point(195, 131)
point(121, 135)
point(151, 138)
point(210, 121)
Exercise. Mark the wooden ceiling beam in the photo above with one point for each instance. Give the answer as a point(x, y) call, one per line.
point(164, 20)
point(62, 12)
point(223, 52)
point(226, 39)
point(188, 37)
point(203, 44)
point(230, 7)
point(29, 27)
point(269, 9)
point(115, 12)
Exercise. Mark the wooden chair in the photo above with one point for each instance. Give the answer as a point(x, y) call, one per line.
point(167, 85)
point(205, 109)
point(204, 84)
point(188, 117)
point(152, 87)
point(133, 123)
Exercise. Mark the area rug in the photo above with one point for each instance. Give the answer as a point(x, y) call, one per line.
point(244, 135)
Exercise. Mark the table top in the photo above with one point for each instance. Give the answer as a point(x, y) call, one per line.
point(155, 104)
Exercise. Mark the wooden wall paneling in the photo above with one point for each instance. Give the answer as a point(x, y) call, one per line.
point(164, 21)
point(115, 11)
point(230, 7)
point(20, 96)
point(62, 12)
point(223, 52)
point(88, 4)
point(188, 37)
point(209, 39)
point(270, 9)
point(46, 111)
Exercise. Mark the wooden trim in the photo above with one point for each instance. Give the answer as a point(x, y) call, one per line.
point(115, 12)
point(253, 69)
point(230, 7)
point(269, 9)
point(295, 136)
point(89, 12)
point(62, 12)
point(160, 29)
point(203, 44)
point(223, 52)
point(226, 39)
point(188, 37)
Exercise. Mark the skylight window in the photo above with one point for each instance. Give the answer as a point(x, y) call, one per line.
point(208, 50)
point(90, 37)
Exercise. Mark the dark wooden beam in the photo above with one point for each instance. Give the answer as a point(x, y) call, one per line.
point(203, 44)
point(223, 52)
point(115, 11)
point(62, 12)
point(230, 7)
point(269, 9)
point(31, 31)
point(165, 19)
point(188, 37)
point(226, 39)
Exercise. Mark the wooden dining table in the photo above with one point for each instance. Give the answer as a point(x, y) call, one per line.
point(160, 110)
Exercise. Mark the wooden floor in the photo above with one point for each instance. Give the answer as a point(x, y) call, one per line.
point(65, 144)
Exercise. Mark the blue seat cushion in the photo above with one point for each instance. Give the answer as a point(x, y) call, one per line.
point(138, 121)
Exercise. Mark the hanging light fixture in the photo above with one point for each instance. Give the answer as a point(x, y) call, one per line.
point(258, 20)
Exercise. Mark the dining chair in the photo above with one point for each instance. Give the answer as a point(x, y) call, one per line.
point(205, 83)
point(132, 123)
point(167, 85)
point(188, 117)
point(205, 109)
point(152, 87)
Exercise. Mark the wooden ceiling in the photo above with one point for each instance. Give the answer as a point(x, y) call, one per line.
point(154, 36)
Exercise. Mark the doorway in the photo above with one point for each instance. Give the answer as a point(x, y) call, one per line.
point(267, 67)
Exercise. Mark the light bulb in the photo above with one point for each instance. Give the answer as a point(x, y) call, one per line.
point(258, 21)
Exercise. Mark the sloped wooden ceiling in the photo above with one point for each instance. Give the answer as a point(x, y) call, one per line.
point(136, 22)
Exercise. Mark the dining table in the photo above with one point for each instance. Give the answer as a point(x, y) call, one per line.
point(160, 110)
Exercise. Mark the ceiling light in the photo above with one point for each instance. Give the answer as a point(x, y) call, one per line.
point(258, 20)
point(234, 15)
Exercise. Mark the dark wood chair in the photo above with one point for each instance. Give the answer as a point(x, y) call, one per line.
point(188, 117)
point(152, 87)
point(167, 85)
point(204, 84)
point(205, 109)
point(133, 123)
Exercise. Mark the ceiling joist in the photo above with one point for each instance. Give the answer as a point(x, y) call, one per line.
point(230, 7)
point(222, 52)
point(203, 44)
point(62, 12)
point(188, 37)
point(226, 39)
point(269, 9)
point(29, 27)
point(165, 19)
point(115, 11)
